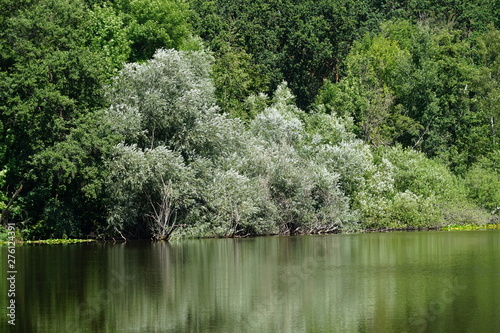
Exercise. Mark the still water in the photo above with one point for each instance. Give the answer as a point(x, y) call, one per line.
point(379, 282)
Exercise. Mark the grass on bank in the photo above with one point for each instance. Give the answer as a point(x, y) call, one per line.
point(455, 227)
point(18, 239)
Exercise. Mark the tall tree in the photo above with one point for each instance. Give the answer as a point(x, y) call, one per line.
point(155, 24)
point(52, 70)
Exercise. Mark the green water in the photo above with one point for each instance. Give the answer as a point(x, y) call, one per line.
point(380, 282)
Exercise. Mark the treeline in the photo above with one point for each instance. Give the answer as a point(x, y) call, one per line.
point(154, 118)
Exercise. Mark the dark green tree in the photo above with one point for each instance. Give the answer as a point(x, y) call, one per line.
point(52, 68)
point(301, 42)
point(155, 24)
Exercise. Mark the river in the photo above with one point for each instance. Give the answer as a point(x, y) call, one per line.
point(434, 281)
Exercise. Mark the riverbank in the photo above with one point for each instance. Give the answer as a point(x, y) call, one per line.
point(451, 227)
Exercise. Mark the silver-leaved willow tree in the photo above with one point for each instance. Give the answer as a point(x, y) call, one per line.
point(182, 163)
point(165, 112)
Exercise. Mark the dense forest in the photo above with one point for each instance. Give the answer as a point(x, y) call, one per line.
point(189, 118)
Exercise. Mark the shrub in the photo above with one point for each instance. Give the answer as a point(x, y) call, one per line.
point(483, 185)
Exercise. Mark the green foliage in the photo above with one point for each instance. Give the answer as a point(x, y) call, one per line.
point(52, 72)
point(111, 34)
point(70, 177)
point(461, 227)
point(3, 198)
point(483, 183)
point(399, 188)
point(306, 42)
point(60, 241)
point(300, 42)
point(234, 77)
point(3, 234)
point(155, 24)
point(404, 210)
point(488, 87)
point(467, 16)
point(423, 176)
point(423, 86)
point(426, 193)
point(411, 210)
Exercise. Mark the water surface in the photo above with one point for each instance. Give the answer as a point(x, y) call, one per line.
point(380, 282)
